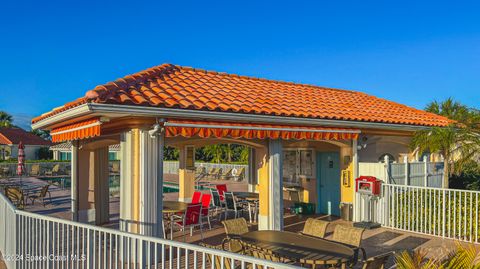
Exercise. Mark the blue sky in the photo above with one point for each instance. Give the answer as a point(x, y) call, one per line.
point(408, 52)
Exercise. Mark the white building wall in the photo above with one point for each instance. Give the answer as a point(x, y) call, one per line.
point(376, 146)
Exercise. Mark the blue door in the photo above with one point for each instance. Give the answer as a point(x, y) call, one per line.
point(328, 183)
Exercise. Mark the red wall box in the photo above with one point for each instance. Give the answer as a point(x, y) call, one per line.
point(368, 185)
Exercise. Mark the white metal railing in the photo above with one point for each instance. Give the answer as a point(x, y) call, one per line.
point(29, 240)
point(441, 212)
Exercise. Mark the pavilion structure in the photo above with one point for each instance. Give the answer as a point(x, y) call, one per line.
point(186, 108)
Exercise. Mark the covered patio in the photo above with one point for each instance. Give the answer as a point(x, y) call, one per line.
point(303, 142)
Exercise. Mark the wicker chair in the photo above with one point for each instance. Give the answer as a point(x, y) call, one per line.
point(55, 171)
point(35, 170)
point(41, 195)
point(315, 227)
point(233, 228)
point(351, 237)
point(16, 196)
point(217, 260)
point(377, 262)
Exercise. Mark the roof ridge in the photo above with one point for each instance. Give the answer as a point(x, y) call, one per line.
point(165, 67)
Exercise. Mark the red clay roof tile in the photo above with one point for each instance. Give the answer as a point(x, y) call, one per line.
point(185, 87)
point(9, 136)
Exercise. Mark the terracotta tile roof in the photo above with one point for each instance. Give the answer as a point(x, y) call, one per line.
point(172, 86)
point(13, 136)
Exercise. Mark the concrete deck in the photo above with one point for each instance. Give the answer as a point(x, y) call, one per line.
point(375, 241)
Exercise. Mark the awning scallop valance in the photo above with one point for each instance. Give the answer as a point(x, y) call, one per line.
point(207, 129)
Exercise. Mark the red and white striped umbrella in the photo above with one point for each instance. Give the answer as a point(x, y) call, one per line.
point(21, 159)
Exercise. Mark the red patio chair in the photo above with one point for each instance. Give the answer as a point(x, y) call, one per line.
point(222, 189)
point(206, 199)
point(191, 218)
point(196, 197)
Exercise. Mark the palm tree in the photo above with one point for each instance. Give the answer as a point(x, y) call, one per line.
point(215, 152)
point(458, 143)
point(5, 119)
point(456, 111)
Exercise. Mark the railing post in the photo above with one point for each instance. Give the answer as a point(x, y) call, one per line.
point(405, 160)
point(387, 169)
point(425, 167)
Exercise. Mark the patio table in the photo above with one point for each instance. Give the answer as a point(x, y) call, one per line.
point(300, 248)
point(172, 207)
point(252, 199)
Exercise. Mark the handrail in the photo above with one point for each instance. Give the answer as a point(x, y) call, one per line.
point(53, 226)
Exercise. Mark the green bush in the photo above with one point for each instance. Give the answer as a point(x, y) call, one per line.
point(425, 210)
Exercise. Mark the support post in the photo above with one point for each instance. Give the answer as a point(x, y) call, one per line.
point(276, 184)
point(186, 178)
point(356, 199)
point(159, 207)
point(141, 185)
point(405, 161)
point(74, 181)
point(252, 172)
point(425, 168)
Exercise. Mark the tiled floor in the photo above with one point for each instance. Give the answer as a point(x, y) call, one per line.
point(375, 241)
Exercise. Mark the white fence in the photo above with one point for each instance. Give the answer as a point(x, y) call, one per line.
point(441, 212)
point(171, 167)
point(30, 240)
point(426, 174)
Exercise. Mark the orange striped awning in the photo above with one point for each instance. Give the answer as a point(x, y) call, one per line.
point(206, 129)
point(76, 131)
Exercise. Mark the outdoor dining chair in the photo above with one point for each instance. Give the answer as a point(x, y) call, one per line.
point(16, 196)
point(41, 195)
point(350, 236)
point(233, 228)
point(196, 197)
point(190, 219)
point(206, 201)
point(231, 205)
point(377, 262)
point(315, 227)
point(217, 202)
point(221, 188)
point(217, 261)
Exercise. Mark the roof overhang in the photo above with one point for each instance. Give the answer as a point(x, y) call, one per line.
point(116, 111)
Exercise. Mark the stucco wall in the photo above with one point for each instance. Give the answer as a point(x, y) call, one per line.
point(31, 152)
point(376, 146)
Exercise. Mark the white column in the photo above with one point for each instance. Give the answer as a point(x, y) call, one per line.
point(356, 197)
point(276, 184)
point(425, 168)
point(141, 183)
point(151, 184)
point(74, 181)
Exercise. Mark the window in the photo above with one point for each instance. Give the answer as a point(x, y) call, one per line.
point(391, 159)
point(65, 156)
point(298, 163)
